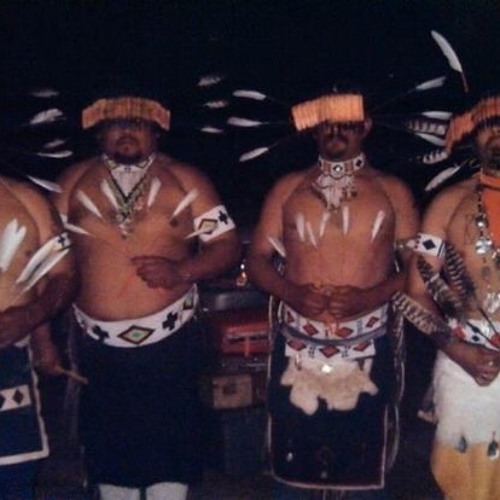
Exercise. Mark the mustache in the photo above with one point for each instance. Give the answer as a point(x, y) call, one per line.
point(126, 138)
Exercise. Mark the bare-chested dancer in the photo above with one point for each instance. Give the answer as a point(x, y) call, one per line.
point(466, 385)
point(147, 228)
point(36, 282)
point(338, 224)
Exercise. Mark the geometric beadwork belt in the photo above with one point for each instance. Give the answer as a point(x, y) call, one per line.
point(138, 332)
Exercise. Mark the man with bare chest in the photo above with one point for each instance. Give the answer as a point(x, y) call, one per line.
point(460, 239)
point(337, 225)
point(147, 228)
point(36, 282)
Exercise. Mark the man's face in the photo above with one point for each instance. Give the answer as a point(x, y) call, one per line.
point(488, 147)
point(340, 141)
point(128, 141)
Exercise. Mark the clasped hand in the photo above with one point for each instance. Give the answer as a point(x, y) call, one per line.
point(339, 301)
point(158, 271)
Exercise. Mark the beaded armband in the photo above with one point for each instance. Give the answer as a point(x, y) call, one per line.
point(430, 245)
point(213, 223)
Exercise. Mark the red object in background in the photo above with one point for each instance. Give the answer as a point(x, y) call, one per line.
point(240, 331)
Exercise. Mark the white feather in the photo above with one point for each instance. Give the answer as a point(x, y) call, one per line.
point(11, 239)
point(88, 203)
point(198, 232)
point(66, 153)
point(431, 138)
point(345, 219)
point(54, 144)
point(377, 223)
point(430, 84)
point(325, 217)
point(448, 51)
point(277, 245)
point(208, 129)
point(439, 115)
point(236, 121)
point(210, 80)
point(48, 185)
point(108, 192)
point(250, 94)
point(72, 227)
point(185, 202)
point(44, 268)
point(301, 226)
point(154, 188)
point(46, 93)
point(434, 157)
point(219, 104)
point(310, 233)
point(254, 153)
point(441, 177)
point(47, 116)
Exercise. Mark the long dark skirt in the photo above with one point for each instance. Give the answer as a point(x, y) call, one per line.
point(331, 449)
point(140, 415)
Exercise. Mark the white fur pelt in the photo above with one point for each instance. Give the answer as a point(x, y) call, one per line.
point(340, 385)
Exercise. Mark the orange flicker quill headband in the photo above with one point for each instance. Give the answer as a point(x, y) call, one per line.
point(125, 108)
point(336, 108)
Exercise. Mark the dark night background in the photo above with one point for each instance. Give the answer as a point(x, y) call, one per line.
point(287, 49)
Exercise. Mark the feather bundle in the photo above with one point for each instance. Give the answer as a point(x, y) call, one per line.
point(11, 238)
point(437, 141)
point(210, 80)
point(236, 121)
point(440, 292)
point(441, 177)
point(218, 104)
point(429, 126)
point(434, 156)
point(208, 129)
point(458, 276)
point(431, 84)
point(250, 94)
point(65, 153)
point(418, 316)
point(450, 55)
point(254, 153)
point(47, 116)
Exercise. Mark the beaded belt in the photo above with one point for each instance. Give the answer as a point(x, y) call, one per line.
point(330, 342)
point(138, 332)
point(14, 398)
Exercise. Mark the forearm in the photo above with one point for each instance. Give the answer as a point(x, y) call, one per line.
point(211, 261)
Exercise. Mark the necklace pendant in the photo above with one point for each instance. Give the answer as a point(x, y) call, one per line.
point(483, 245)
point(481, 221)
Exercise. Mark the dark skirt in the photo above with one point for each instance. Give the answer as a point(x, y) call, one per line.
point(140, 417)
point(331, 449)
point(22, 432)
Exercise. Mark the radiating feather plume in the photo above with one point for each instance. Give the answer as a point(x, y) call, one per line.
point(301, 226)
point(433, 157)
point(438, 115)
point(277, 245)
point(66, 153)
point(185, 202)
point(108, 192)
point(219, 104)
point(210, 80)
point(250, 94)
point(418, 316)
point(441, 177)
point(47, 116)
point(450, 55)
point(48, 185)
point(431, 84)
point(154, 188)
point(437, 141)
point(208, 129)
point(44, 93)
point(237, 121)
point(11, 239)
point(254, 153)
point(88, 203)
point(54, 144)
point(428, 126)
point(441, 293)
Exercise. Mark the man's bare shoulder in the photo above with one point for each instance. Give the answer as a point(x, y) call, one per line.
point(27, 194)
point(185, 173)
point(291, 182)
point(451, 197)
point(74, 172)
